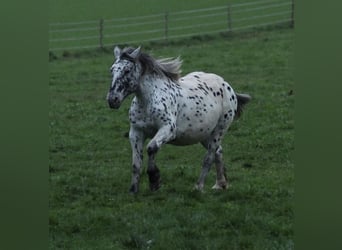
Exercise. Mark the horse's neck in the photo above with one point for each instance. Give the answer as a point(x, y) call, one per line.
point(149, 87)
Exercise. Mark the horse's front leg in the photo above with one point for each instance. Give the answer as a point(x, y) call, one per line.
point(164, 135)
point(137, 139)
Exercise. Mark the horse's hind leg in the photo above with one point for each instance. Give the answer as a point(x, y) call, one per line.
point(213, 145)
point(221, 179)
point(214, 154)
point(207, 162)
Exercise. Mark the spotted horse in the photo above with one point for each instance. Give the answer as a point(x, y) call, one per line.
point(196, 108)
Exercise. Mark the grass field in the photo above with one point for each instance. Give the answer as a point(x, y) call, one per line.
point(90, 161)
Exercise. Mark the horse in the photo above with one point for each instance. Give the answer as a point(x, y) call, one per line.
point(167, 108)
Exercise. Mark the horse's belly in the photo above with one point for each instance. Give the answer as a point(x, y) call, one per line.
point(192, 132)
point(187, 140)
point(196, 121)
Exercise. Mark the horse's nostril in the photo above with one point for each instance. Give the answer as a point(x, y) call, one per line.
point(114, 102)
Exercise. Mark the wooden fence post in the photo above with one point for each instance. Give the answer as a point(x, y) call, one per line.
point(292, 14)
point(166, 26)
point(229, 19)
point(101, 33)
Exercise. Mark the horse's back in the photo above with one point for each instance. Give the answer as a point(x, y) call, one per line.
point(214, 88)
point(200, 77)
point(203, 104)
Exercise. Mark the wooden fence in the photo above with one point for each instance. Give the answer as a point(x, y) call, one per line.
point(170, 25)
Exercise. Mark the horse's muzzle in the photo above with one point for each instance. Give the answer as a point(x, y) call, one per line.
point(114, 102)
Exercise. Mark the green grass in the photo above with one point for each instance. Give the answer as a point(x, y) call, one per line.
point(90, 157)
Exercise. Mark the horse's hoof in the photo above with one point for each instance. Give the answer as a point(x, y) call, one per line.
point(154, 179)
point(133, 189)
point(220, 186)
point(217, 187)
point(199, 188)
point(155, 186)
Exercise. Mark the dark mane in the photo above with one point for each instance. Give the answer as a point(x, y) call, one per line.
point(168, 67)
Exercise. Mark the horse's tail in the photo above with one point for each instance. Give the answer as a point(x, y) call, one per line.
point(242, 100)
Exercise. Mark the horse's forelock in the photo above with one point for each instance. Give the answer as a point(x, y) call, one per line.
point(126, 52)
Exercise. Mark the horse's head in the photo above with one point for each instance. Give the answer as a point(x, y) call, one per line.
point(126, 72)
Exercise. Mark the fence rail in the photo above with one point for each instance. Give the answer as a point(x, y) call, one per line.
point(169, 25)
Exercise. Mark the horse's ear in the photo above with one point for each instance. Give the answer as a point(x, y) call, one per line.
point(135, 53)
point(117, 52)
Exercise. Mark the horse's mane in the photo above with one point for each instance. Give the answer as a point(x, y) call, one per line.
point(169, 67)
